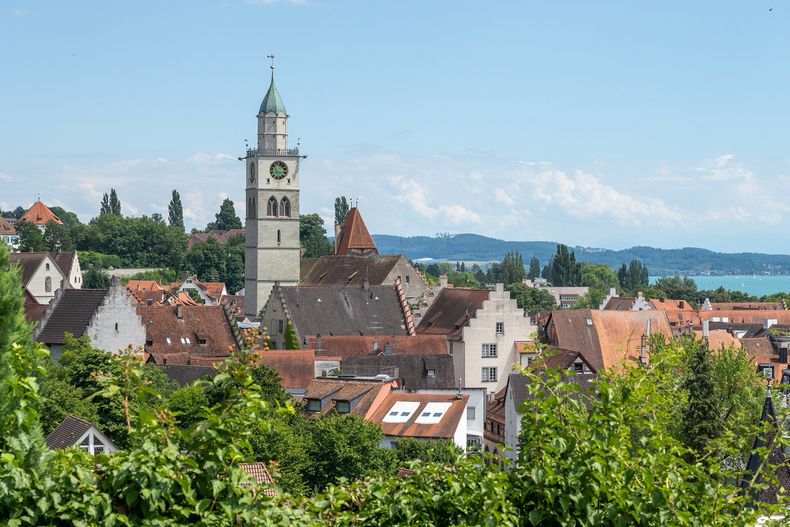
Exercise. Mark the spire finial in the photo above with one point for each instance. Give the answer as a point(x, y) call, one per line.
point(272, 66)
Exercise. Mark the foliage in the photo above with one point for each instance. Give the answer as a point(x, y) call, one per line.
point(90, 259)
point(110, 204)
point(633, 276)
point(69, 218)
point(212, 261)
point(562, 269)
point(96, 279)
point(195, 295)
point(175, 212)
point(187, 403)
point(513, 268)
point(532, 299)
point(676, 287)
point(161, 276)
point(225, 219)
point(30, 237)
point(341, 210)
point(290, 342)
point(57, 238)
point(59, 399)
point(534, 268)
point(409, 449)
point(312, 236)
point(701, 420)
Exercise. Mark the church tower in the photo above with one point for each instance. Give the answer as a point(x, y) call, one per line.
point(272, 247)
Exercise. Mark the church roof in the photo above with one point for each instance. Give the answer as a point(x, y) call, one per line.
point(354, 235)
point(272, 102)
point(40, 214)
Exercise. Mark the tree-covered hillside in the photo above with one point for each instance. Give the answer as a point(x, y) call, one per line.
point(688, 260)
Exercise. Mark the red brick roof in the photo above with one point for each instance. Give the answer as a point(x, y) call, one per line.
point(357, 345)
point(296, 367)
point(40, 215)
point(354, 237)
point(199, 331)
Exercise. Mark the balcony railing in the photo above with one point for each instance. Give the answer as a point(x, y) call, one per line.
point(252, 152)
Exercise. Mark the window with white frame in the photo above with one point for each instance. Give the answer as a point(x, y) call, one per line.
point(489, 375)
point(470, 413)
point(489, 350)
point(500, 328)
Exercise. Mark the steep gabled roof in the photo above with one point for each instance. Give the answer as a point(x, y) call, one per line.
point(65, 261)
point(295, 367)
point(70, 312)
point(451, 311)
point(354, 236)
point(40, 215)
point(199, 331)
point(344, 310)
point(68, 432)
point(347, 270)
point(518, 384)
point(363, 393)
point(418, 425)
point(29, 262)
point(560, 359)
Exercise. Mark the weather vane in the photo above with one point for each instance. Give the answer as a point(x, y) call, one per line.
point(271, 57)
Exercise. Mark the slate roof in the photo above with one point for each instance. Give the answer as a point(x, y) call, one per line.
point(296, 367)
point(364, 345)
point(444, 429)
point(451, 311)
point(207, 324)
point(40, 214)
point(347, 270)
point(333, 310)
point(70, 312)
point(33, 310)
point(354, 236)
point(412, 369)
point(67, 433)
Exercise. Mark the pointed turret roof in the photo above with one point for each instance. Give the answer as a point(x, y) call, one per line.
point(40, 214)
point(354, 237)
point(272, 102)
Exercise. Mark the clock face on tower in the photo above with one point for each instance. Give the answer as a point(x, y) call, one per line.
point(278, 170)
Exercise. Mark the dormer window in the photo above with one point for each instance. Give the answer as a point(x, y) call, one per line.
point(343, 407)
point(578, 367)
point(167, 339)
point(431, 373)
point(314, 405)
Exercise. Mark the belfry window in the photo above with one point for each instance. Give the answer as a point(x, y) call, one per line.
point(285, 207)
point(271, 207)
point(251, 212)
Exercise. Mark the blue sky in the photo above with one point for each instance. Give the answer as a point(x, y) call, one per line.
point(605, 124)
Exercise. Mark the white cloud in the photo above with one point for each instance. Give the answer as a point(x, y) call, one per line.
point(20, 12)
point(414, 195)
point(6, 178)
point(502, 197)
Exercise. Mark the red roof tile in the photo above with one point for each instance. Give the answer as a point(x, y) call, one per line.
point(451, 311)
point(200, 331)
point(296, 367)
point(40, 215)
point(354, 237)
point(446, 426)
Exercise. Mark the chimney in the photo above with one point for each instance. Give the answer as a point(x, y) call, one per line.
point(365, 284)
point(375, 346)
point(705, 329)
point(318, 344)
point(769, 322)
point(442, 281)
point(648, 328)
point(682, 304)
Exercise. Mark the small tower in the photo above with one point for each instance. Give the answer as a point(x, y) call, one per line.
point(272, 206)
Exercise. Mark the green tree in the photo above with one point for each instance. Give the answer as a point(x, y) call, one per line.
point(68, 218)
point(57, 238)
point(532, 299)
point(312, 236)
point(701, 419)
point(341, 210)
point(30, 237)
point(534, 268)
point(226, 218)
point(207, 260)
point(290, 340)
point(495, 274)
point(175, 213)
point(105, 205)
point(443, 451)
point(677, 288)
point(115, 203)
point(563, 270)
point(96, 279)
point(187, 403)
point(513, 267)
point(633, 277)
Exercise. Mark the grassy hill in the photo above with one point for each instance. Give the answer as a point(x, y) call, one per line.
point(688, 260)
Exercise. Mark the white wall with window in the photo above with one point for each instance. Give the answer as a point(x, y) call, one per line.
point(475, 411)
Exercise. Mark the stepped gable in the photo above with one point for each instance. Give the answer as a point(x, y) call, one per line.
point(354, 237)
point(70, 312)
point(40, 214)
point(347, 270)
point(451, 311)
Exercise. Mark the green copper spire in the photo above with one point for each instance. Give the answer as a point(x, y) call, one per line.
point(272, 103)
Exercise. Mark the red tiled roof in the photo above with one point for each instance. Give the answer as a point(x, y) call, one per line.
point(446, 426)
point(354, 236)
point(40, 215)
point(367, 395)
point(451, 311)
point(261, 475)
point(296, 367)
point(735, 306)
point(748, 316)
point(6, 227)
point(358, 345)
point(221, 236)
point(187, 327)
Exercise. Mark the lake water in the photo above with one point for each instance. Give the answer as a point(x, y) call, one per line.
point(749, 284)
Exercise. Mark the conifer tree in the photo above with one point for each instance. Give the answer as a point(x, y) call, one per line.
point(701, 419)
point(534, 268)
point(115, 203)
point(341, 210)
point(513, 267)
point(290, 342)
point(175, 211)
point(105, 205)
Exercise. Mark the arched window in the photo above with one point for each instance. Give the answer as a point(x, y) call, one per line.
point(251, 212)
point(279, 238)
point(47, 267)
point(285, 207)
point(48, 284)
point(252, 172)
point(271, 207)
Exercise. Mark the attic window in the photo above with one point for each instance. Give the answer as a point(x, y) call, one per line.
point(589, 322)
point(202, 341)
point(314, 405)
point(343, 407)
point(149, 342)
point(578, 367)
point(167, 339)
point(431, 373)
point(435, 413)
point(47, 267)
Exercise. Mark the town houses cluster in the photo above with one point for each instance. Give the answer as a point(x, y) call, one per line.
point(373, 337)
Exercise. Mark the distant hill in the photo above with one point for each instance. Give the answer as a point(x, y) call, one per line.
point(687, 261)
